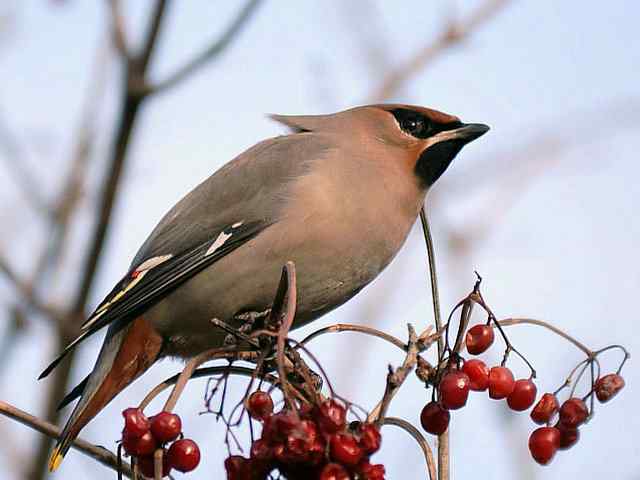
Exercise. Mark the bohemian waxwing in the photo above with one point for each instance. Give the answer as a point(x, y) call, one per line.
point(338, 196)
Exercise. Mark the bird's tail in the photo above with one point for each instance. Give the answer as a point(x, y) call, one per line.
point(126, 353)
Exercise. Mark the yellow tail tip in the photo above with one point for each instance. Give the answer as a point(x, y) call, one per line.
point(56, 459)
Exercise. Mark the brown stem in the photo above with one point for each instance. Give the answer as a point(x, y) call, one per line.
point(415, 433)
point(443, 439)
point(348, 327)
point(289, 304)
point(204, 372)
point(118, 29)
point(151, 37)
point(100, 454)
point(531, 321)
point(188, 371)
point(396, 378)
point(211, 52)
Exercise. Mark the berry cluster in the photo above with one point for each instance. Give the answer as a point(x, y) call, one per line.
point(455, 376)
point(545, 441)
point(455, 383)
point(313, 441)
point(142, 436)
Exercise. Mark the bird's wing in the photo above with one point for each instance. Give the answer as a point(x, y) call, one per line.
point(158, 276)
point(221, 214)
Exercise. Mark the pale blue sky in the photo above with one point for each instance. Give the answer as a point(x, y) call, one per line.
point(565, 251)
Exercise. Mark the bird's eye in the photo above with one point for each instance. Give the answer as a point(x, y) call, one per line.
point(413, 123)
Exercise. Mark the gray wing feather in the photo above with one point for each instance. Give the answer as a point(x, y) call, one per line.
point(248, 192)
point(250, 188)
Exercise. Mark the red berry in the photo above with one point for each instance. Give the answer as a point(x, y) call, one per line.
point(146, 465)
point(139, 446)
point(307, 410)
point(260, 405)
point(370, 472)
point(278, 426)
point(454, 390)
point(478, 339)
point(260, 450)
point(544, 443)
point(568, 436)
point(296, 448)
point(546, 407)
point(523, 395)
point(501, 382)
point(136, 424)
point(184, 455)
point(331, 416)
point(316, 453)
point(236, 467)
point(344, 449)
point(478, 374)
point(573, 413)
point(279, 452)
point(434, 418)
point(608, 387)
point(370, 438)
point(334, 471)
point(166, 426)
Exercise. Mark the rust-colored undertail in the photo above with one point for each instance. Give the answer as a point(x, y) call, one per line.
point(139, 347)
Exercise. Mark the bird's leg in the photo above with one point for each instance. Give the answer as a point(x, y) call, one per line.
point(247, 321)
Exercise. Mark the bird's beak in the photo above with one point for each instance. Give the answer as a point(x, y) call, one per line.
point(468, 132)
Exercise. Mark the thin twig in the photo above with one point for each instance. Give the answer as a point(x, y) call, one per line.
point(151, 38)
point(451, 35)
point(119, 34)
point(229, 353)
point(205, 372)
point(349, 327)
point(100, 454)
point(443, 439)
point(289, 304)
point(210, 53)
point(27, 293)
point(415, 433)
point(531, 321)
point(396, 378)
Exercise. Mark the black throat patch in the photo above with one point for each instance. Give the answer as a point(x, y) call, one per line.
point(436, 159)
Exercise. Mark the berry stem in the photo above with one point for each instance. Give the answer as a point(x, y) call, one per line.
point(418, 437)
point(395, 379)
point(157, 464)
point(443, 440)
point(531, 321)
point(289, 293)
point(348, 327)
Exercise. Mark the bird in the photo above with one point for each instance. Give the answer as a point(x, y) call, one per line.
point(337, 195)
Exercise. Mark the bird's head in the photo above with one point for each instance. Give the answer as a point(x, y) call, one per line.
point(432, 138)
point(426, 140)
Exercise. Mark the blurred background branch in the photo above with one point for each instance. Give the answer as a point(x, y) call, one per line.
point(561, 102)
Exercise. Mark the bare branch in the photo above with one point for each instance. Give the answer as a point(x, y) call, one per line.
point(450, 36)
point(395, 379)
point(152, 35)
point(100, 454)
point(14, 158)
point(118, 29)
point(211, 52)
point(26, 291)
